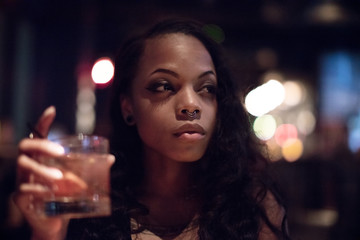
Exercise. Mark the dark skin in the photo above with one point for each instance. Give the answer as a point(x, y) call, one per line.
point(169, 205)
point(180, 83)
point(43, 228)
point(46, 228)
point(175, 73)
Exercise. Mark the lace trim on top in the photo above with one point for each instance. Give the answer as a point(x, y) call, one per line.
point(147, 231)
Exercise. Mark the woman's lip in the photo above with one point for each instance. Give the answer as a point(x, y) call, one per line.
point(192, 131)
point(190, 136)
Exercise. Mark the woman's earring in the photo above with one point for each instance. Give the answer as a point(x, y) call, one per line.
point(130, 120)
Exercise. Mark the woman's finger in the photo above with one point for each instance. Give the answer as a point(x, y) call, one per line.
point(48, 178)
point(44, 227)
point(34, 189)
point(24, 201)
point(110, 159)
point(70, 184)
point(37, 145)
point(45, 121)
point(27, 164)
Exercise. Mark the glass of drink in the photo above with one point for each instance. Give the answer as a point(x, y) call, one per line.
point(83, 191)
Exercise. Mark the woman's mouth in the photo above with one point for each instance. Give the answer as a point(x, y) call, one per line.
point(190, 132)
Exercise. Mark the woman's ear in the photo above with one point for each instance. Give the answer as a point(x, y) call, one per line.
point(127, 110)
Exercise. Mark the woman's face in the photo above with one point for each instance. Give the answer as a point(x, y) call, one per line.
point(175, 74)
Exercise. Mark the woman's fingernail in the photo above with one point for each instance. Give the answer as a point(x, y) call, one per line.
point(49, 110)
point(55, 173)
point(111, 159)
point(58, 149)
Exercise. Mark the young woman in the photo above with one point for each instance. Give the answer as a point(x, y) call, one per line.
point(187, 165)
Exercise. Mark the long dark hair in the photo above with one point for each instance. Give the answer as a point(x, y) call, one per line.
point(233, 180)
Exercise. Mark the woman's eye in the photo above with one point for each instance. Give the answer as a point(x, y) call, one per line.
point(209, 89)
point(160, 87)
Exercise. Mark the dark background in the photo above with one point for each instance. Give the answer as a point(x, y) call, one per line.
point(46, 45)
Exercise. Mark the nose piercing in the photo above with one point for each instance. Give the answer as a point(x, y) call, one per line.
point(191, 115)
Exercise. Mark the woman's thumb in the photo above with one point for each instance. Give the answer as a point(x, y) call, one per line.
point(45, 120)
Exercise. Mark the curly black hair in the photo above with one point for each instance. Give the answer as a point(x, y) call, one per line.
point(232, 172)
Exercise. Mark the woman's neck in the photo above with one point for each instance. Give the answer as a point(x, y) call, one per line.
point(166, 177)
point(166, 191)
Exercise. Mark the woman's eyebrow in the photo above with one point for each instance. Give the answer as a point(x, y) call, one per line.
point(206, 73)
point(167, 71)
point(172, 73)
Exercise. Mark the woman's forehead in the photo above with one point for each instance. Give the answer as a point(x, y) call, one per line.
point(175, 48)
point(173, 41)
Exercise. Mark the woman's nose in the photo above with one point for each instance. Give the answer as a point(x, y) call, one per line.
point(188, 105)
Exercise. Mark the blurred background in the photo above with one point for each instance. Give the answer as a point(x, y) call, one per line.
point(298, 63)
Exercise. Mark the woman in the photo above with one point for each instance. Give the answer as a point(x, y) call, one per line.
point(187, 165)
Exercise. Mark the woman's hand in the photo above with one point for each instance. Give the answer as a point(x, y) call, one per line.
point(36, 180)
point(28, 169)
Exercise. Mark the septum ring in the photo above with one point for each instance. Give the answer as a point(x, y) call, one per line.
point(192, 115)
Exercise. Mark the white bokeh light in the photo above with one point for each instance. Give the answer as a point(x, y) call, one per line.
point(102, 71)
point(265, 98)
point(294, 93)
point(265, 127)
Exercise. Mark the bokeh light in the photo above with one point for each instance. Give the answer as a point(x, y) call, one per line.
point(354, 133)
point(85, 121)
point(327, 12)
point(215, 32)
point(294, 93)
point(285, 132)
point(273, 75)
point(306, 122)
point(283, 115)
point(102, 71)
point(265, 98)
point(292, 149)
point(264, 127)
point(85, 112)
point(86, 96)
point(274, 150)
